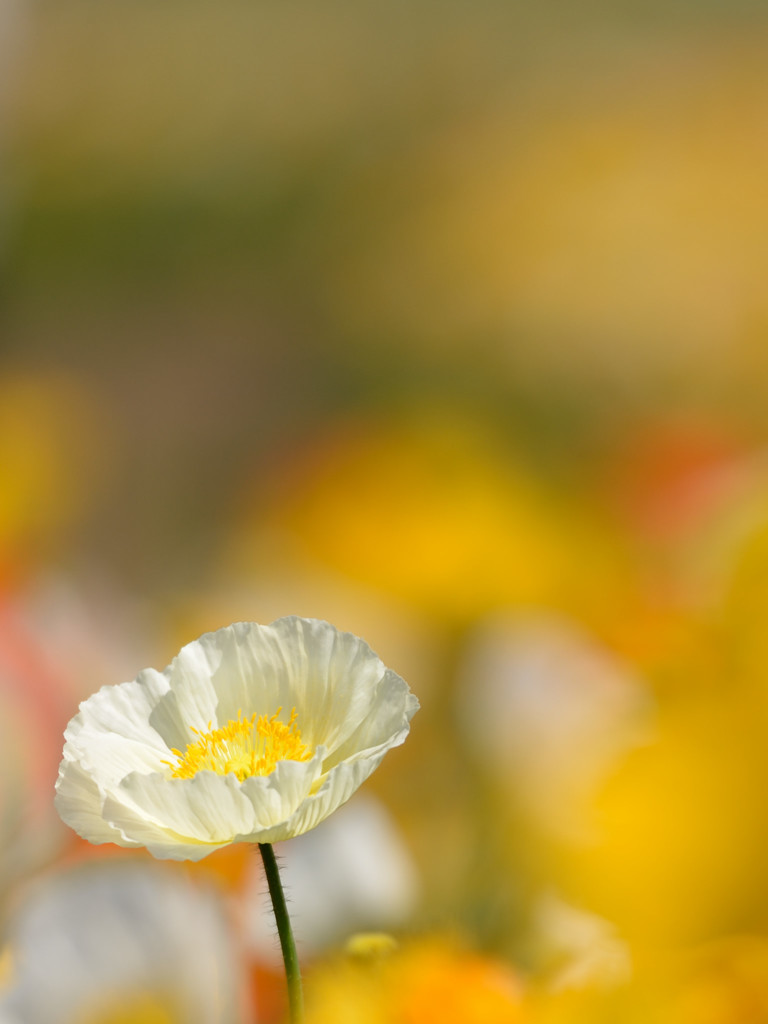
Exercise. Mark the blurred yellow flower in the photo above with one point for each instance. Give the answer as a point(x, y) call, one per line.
point(48, 438)
point(723, 983)
point(434, 510)
point(252, 734)
point(683, 829)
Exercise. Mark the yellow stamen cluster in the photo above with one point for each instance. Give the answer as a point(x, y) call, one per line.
point(244, 746)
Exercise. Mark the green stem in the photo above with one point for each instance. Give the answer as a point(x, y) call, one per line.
point(287, 943)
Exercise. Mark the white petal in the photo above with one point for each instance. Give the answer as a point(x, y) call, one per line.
point(110, 758)
point(165, 844)
point(192, 702)
point(123, 710)
point(207, 808)
point(79, 804)
point(277, 796)
point(338, 787)
point(250, 669)
point(386, 724)
point(330, 677)
point(337, 676)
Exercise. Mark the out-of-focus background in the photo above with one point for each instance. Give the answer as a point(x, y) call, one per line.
point(447, 323)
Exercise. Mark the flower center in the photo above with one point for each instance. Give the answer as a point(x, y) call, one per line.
point(244, 746)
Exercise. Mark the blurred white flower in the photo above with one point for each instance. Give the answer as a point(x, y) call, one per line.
point(352, 873)
point(252, 734)
point(120, 942)
point(550, 712)
point(581, 949)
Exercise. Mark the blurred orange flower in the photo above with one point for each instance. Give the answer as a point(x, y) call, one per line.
point(424, 982)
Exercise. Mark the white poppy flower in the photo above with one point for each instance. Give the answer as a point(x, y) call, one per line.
point(252, 734)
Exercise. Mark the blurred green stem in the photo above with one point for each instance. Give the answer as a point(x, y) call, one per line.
point(287, 943)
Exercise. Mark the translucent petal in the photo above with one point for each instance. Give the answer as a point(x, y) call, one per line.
point(79, 803)
point(337, 788)
point(207, 808)
point(122, 710)
point(386, 723)
point(276, 797)
point(163, 843)
point(328, 676)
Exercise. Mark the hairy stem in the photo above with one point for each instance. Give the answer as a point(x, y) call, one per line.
point(287, 943)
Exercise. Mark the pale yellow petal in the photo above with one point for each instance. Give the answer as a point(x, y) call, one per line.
point(277, 796)
point(207, 808)
point(80, 805)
